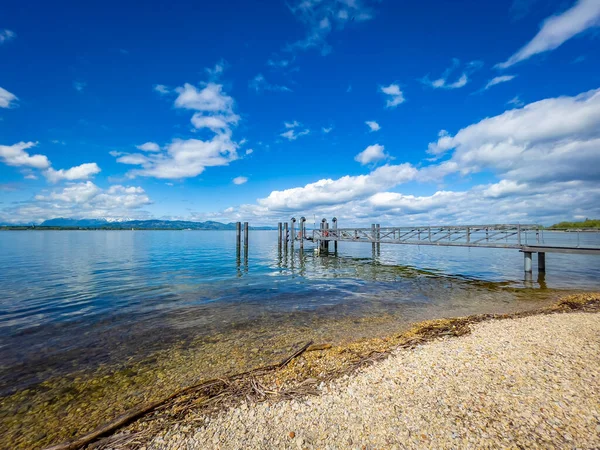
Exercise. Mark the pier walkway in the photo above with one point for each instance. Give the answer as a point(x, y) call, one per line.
point(528, 239)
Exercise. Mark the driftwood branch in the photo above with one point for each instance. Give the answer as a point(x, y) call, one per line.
point(136, 413)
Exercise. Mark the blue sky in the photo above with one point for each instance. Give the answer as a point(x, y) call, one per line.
point(370, 110)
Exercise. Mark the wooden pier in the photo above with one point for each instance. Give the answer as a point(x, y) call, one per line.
point(528, 239)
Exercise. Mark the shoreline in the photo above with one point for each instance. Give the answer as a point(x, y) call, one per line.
point(525, 382)
point(304, 374)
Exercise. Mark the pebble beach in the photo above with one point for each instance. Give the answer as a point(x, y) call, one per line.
point(531, 382)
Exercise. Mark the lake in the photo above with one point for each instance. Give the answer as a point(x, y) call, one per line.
point(81, 305)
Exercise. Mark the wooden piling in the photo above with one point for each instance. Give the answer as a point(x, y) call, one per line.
point(286, 235)
point(335, 243)
point(292, 226)
point(280, 233)
point(374, 237)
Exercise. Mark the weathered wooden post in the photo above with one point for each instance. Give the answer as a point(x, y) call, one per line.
point(324, 243)
point(285, 235)
point(541, 262)
point(246, 228)
point(238, 242)
point(293, 232)
point(373, 237)
point(335, 227)
point(302, 229)
point(279, 234)
point(378, 239)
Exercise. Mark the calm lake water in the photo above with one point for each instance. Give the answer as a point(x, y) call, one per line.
point(77, 299)
point(94, 323)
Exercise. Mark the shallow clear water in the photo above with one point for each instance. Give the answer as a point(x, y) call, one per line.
point(76, 299)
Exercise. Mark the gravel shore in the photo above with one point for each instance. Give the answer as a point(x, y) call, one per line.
point(531, 382)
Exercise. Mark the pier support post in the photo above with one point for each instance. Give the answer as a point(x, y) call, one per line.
point(374, 237)
point(238, 235)
point(246, 228)
point(293, 232)
point(528, 265)
point(286, 234)
point(302, 227)
point(541, 262)
point(279, 233)
point(335, 243)
point(378, 239)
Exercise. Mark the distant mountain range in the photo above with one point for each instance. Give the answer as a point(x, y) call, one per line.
point(106, 224)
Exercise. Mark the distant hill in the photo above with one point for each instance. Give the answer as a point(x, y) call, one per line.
point(140, 224)
point(587, 223)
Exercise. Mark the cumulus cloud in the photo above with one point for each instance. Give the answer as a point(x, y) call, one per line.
point(558, 29)
point(210, 98)
point(15, 155)
point(259, 84)
point(149, 147)
point(185, 158)
point(329, 192)
point(552, 139)
point(372, 154)
point(497, 80)
point(6, 35)
point(395, 95)
point(374, 126)
point(81, 172)
point(460, 80)
point(240, 180)
point(7, 99)
point(322, 17)
point(80, 200)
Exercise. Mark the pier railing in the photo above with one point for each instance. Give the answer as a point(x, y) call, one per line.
point(491, 236)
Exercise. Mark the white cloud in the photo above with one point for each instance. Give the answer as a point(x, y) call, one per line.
point(80, 200)
point(7, 99)
point(292, 135)
point(293, 124)
point(374, 126)
point(259, 83)
point(461, 81)
point(497, 80)
point(395, 95)
point(15, 155)
point(79, 85)
point(322, 17)
point(149, 147)
point(6, 35)
point(81, 172)
point(552, 139)
point(327, 130)
point(329, 192)
point(372, 154)
point(249, 151)
point(240, 180)
point(185, 158)
point(558, 29)
point(210, 98)
point(215, 123)
point(161, 89)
